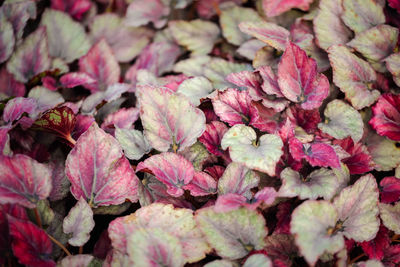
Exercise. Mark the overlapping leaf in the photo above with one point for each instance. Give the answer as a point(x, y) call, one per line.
point(276, 7)
point(386, 116)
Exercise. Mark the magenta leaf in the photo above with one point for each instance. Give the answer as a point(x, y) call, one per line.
point(30, 244)
point(389, 189)
point(73, 79)
point(299, 80)
point(274, 8)
point(76, 8)
point(5, 140)
point(202, 184)
point(376, 247)
point(386, 116)
point(212, 136)
point(142, 12)
point(99, 171)
point(18, 106)
point(23, 180)
point(229, 202)
point(265, 119)
point(123, 118)
point(171, 169)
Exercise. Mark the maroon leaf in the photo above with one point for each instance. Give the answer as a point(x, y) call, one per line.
point(386, 116)
point(9, 86)
point(306, 119)
point(76, 8)
point(212, 137)
point(283, 218)
point(376, 247)
point(392, 256)
point(389, 189)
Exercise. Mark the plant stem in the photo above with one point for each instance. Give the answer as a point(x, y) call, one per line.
point(356, 258)
point(81, 250)
point(71, 140)
point(37, 215)
point(60, 245)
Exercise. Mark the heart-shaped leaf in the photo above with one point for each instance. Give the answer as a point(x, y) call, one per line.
point(260, 154)
point(195, 89)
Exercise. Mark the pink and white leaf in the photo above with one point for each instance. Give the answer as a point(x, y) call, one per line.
point(75, 8)
point(389, 189)
point(73, 79)
point(393, 65)
point(202, 184)
point(9, 86)
point(274, 8)
point(360, 15)
point(133, 142)
point(18, 106)
point(142, 12)
point(386, 116)
point(124, 118)
point(81, 260)
point(212, 136)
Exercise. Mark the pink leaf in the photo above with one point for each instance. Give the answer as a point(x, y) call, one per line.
point(274, 8)
point(123, 118)
point(83, 122)
point(30, 244)
point(212, 137)
point(18, 106)
point(270, 81)
point(392, 256)
point(299, 79)
point(376, 247)
point(23, 180)
point(306, 119)
point(76, 8)
point(142, 12)
point(246, 79)
point(265, 119)
point(283, 216)
point(386, 116)
point(73, 79)
point(229, 202)
point(390, 189)
point(98, 170)
point(100, 64)
point(395, 4)
point(9, 86)
point(202, 185)
point(171, 169)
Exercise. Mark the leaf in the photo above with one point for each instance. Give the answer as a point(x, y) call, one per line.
point(177, 222)
point(9, 86)
point(320, 183)
point(312, 223)
point(232, 234)
point(362, 15)
point(238, 179)
point(390, 215)
point(220, 263)
point(23, 180)
point(233, 106)
point(202, 184)
point(73, 79)
point(98, 170)
point(46, 214)
point(16, 107)
point(155, 247)
point(386, 116)
point(274, 8)
point(81, 260)
point(169, 119)
point(229, 20)
point(357, 207)
point(60, 182)
point(7, 40)
point(328, 26)
point(197, 154)
point(63, 44)
point(100, 55)
point(260, 154)
point(198, 36)
point(393, 65)
point(75, 8)
point(31, 57)
point(342, 120)
point(390, 189)
point(30, 244)
point(259, 260)
point(171, 169)
point(353, 76)
point(299, 80)
point(195, 89)
point(270, 33)
point(212, 136)
point(123, 118)
point(384, 152)
point(376, 247)
point(140, 13)
point(79, 222)
point(132, 142)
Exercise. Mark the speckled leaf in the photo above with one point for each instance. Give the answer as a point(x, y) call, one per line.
point(67, 38)
point(320, 183)
point(238, 179)
point(171, 169)
point(230, 19)
point(7, 39)
point(357, 207)
point(393, 65)
point(270, 33)
point(31, 57)
point(23, 180)
point(81, 260)
point(390, 215)
point(195, 89)
point(260, 154)
point(197, 154)
point(361, 15)
point(18, 106)
point(232, 234)
point(384, 152)
point(79, 222)
point(132, 142)
point(353, 76)
point(342, 120)
point(98, 170)
point(299, 80)
point(198, 36)
point(169, 119)
point(60, 182)
point(258, 260)
point(142, 12)
point(312, 222)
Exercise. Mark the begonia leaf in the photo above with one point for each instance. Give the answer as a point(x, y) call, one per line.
point(30, 244)
point(270, 33)
point(261, 154)
point(195, 89)
point(312, 222)
point(238, 179)
point(202, 184)
point(81, 260)
point(16, 107)
point(212, 136)
point(124, 118)
point(265, 119)
point(394, 4)
point(274, 8)
point(360, 15)
point(100, 55)
point(75, 8)
point(169, 119)
point(177, 222)
point(249, 48)
point(5, 141)
point(353, 76)
point(389, 189)
point(60, 182)
point(171, 169)
point(155, 247)
point(63, 44)
point(299, 80)
point(198, 36)
point(232, 234)
point(98, 170)
point(7, 39)
point(23, 180)
point(393, 65)
point(220, 263)
point(320, 183)
point(386, 116)
point(258, 260)
point(384, 152)
point(9, 86)
point(142, 12)
point(392, 256)
point(126, 42)
point(73, 79)
point(233, 106)
point(357, 207)
point(79, 222)
point(230, 19)
point(31, 57)
point(197, 154)
point(376, 247)
point(193, 66)
point(390, 215)
point(342, 120)
point(45, 98)
point(133, 142)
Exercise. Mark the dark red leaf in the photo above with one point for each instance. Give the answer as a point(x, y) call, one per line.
point(375, 248)
point(390, 189)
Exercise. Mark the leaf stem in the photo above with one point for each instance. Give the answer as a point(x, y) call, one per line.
point(37, 216)
point(70, 139)
point(356, 258)
point(81, 249)
point(59, 245)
